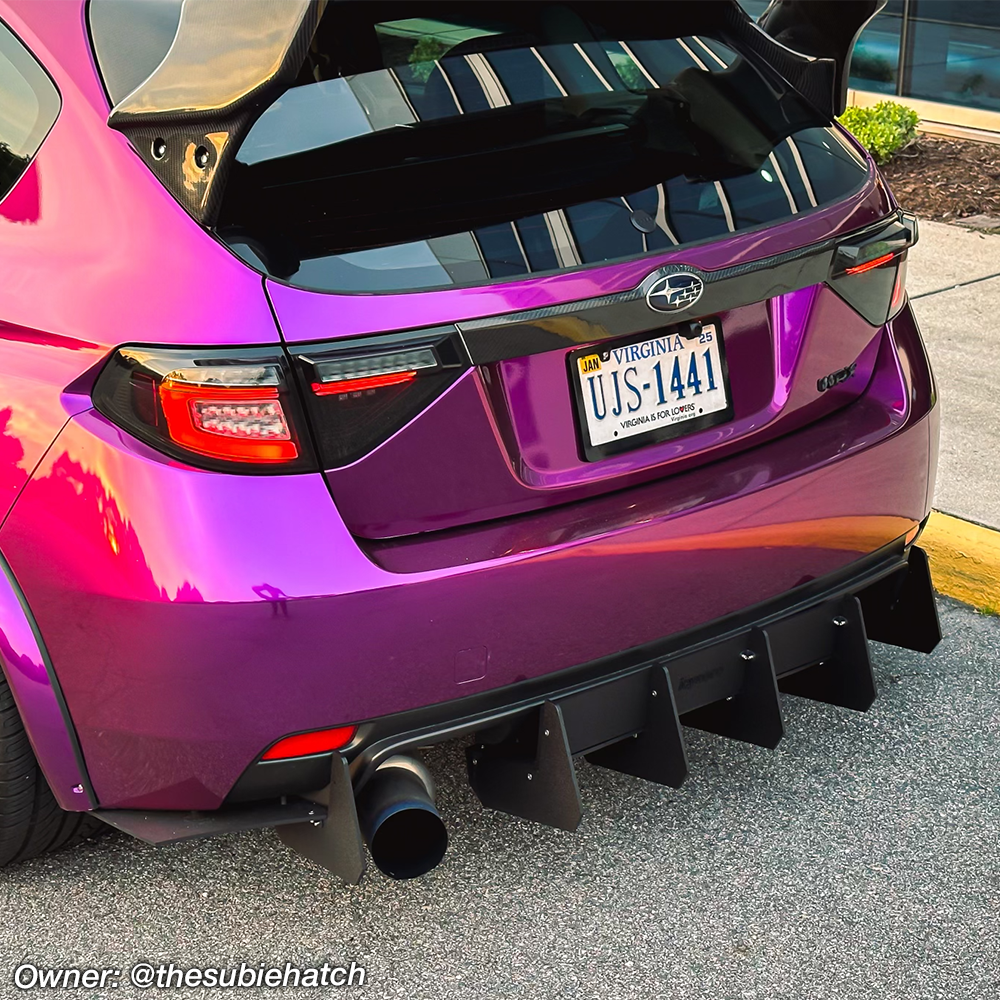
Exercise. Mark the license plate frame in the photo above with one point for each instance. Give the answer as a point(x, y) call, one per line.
point(634, 439)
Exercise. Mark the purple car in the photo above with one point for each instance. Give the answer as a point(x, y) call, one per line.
point(379, 374)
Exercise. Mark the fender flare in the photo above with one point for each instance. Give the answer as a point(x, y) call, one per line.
point(39, 699)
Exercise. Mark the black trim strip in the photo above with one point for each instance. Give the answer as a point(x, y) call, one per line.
point(572, 324)
point(176, 826)
point(53, 681)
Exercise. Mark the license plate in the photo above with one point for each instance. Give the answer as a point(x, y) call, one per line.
point(639, 391)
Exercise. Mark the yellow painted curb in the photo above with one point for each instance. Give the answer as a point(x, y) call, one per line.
point(965, 560)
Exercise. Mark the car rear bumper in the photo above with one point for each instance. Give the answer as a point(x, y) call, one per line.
point(192, 619)
point(608, 700)
point(625, 712)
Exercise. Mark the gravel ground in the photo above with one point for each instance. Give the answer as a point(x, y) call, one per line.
point(857, 860)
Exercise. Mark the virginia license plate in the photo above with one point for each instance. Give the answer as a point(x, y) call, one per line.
point(647, 390)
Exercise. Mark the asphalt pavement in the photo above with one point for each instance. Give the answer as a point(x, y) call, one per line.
point(858, 860)
point(954, 285)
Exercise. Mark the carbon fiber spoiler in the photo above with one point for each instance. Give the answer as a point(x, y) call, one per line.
point(230, 60)
point(823, 29)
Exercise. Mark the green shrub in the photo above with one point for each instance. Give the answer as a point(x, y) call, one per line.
point(424, 54)
point(883, 129)
point(872, 67)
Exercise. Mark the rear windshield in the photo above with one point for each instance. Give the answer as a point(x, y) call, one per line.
point(459, 147)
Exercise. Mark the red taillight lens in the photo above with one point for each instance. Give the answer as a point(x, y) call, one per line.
point(304, 744)
point(209, 408)
point(245, 425)
point(868, 270)
point(870, 264)
point(362, 384)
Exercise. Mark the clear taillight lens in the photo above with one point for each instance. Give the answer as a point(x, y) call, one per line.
point(337, 376)
point(214, 408)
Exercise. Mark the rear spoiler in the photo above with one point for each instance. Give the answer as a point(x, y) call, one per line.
point(230, 60)
point(823, 29)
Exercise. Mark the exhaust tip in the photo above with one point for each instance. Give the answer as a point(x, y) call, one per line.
point(400, 823)
point(409, 843)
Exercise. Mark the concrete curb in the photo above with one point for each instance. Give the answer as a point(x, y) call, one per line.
point(965, 560)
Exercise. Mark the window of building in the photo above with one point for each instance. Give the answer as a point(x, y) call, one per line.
point(953, 52)
point(937, 50)
point(875, 62)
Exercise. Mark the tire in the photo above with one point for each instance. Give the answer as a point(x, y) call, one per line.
point(31, 822)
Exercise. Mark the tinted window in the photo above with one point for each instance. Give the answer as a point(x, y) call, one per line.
point(459, 147)
point(29, 104)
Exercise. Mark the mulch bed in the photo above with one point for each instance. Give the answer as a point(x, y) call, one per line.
point(946, 179)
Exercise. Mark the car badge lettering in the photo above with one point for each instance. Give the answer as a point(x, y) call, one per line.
point(835, 378)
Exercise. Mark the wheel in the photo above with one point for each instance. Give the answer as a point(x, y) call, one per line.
point(31, 822)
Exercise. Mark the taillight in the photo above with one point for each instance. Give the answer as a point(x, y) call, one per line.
point(219, 409)
point(870, 273)
point(360, 392)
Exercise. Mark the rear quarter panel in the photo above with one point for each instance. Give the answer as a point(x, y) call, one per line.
point(94, 253)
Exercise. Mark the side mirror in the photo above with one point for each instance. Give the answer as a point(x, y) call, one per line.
point(823, 29)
